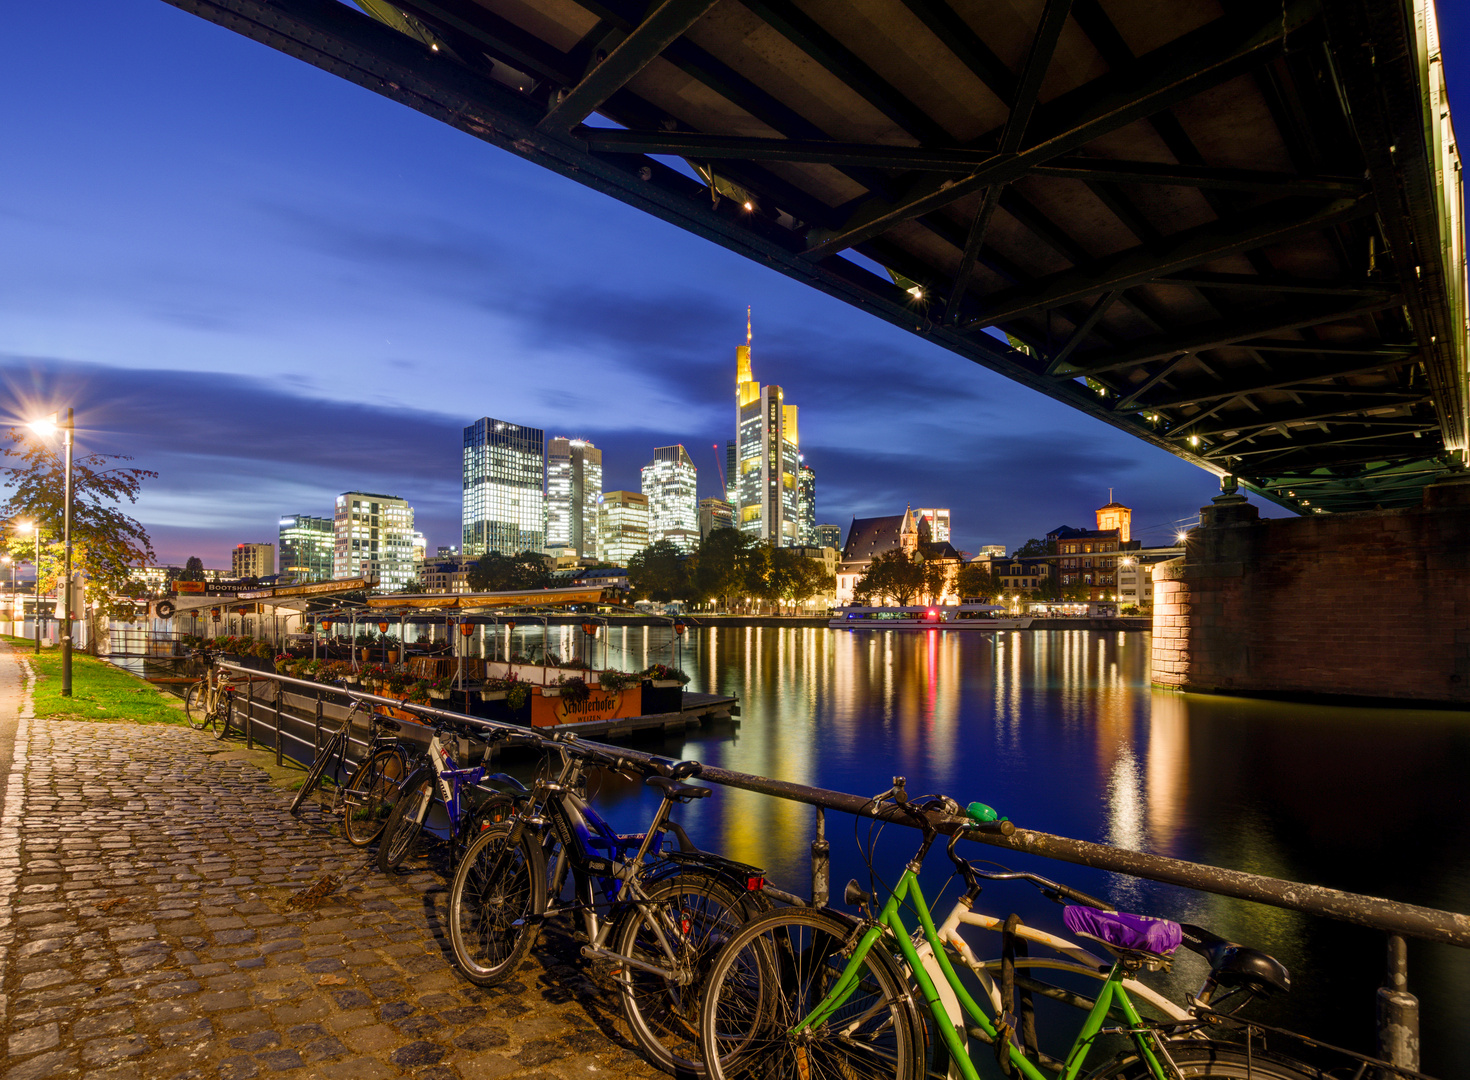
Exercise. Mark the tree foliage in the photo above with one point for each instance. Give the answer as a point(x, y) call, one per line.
point(728, 568)
point(106, 543)
point(975, 579)
point(494, 572)
point(1035, 548)
point(658, 573)
point(193, 569)
point(893, 575)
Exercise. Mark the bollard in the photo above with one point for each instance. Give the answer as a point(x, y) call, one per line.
point(821, 867)
point(1398, 1010)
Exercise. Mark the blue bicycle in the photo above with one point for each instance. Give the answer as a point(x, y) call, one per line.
point(441, 774)
point(657, 917)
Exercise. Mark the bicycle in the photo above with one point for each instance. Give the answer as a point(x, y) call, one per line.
point(209, 702)
point(441, 773)
point(656, 916)
point(803, 994)
point(368, 796)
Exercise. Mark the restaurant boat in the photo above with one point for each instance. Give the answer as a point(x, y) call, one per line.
point(930, 617)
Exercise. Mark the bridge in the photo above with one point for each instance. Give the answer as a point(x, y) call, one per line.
point(1232, 230)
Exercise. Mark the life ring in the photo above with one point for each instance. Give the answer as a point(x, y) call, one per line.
point(164, 609)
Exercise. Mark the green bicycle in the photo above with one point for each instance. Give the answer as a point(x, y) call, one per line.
point(807, 994)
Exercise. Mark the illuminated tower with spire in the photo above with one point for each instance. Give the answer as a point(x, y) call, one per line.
point(764, 486)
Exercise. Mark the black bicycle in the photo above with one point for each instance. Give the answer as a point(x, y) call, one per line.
point(658, 917)
point(371, 792)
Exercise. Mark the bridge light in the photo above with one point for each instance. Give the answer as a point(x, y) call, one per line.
point(749, 205)
point(1194, 440)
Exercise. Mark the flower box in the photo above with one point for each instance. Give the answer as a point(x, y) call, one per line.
point(664, 684)
point(439, 695)
point(550, 691)
point(493, 695)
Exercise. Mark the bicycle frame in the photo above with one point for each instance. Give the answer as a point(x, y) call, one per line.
point(1113, 994)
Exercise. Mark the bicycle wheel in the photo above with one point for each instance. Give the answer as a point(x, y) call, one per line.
point(406, 820)
point(222, 713)
point(370, 795)
point(773, 974)
point(1225, 1061)
point(695, 914)
point(495, 903)
point(317, 770)
point(194, 705)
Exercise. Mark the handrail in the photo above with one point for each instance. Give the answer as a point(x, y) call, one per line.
point(1391, 916)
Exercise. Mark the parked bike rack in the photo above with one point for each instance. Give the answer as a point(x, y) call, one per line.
point(1398, 1009)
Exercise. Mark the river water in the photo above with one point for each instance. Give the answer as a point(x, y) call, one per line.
point(1060, 731)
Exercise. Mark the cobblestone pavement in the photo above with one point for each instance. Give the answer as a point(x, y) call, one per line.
point(149, 931)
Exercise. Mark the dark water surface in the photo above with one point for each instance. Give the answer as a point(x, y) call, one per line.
point(1061, 732)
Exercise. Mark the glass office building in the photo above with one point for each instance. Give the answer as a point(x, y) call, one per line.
point(573, 487)
point(373, 536)
point(671, 481)
point(305, 544)
point(504, 488)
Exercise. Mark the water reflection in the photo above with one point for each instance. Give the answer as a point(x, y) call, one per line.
point(1061, 731)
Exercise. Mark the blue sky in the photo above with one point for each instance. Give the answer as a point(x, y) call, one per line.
point(272, 286)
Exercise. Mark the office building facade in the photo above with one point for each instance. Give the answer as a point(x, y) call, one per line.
point(253, 560)
point(764, 487)
point(306, 545)
point(622, 526)
point(806, 506)
point(715, 514)
point(830, 536)
point(373, 536)
point(670, 482)
point(573, 486)
point(504, 472)
point(938, 524)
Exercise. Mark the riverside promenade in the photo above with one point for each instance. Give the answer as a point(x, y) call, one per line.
point(162, 916)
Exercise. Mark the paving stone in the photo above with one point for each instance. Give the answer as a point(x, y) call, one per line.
point(420, 1053)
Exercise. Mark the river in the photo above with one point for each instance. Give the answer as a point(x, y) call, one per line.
point(1061, 732)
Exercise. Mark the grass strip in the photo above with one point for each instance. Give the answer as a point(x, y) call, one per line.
point(100, 691)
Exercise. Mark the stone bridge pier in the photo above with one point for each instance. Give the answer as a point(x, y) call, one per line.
point(1371, 605)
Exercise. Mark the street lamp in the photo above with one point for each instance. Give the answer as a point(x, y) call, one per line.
point(31, 526)
point(45, 427)
point(11, 560)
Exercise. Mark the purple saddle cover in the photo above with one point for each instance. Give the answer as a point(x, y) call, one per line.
point(1124, 931)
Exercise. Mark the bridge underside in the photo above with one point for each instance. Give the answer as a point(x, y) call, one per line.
point(1231, 229)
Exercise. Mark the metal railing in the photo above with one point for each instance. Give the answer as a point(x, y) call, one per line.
point(1398, 1011)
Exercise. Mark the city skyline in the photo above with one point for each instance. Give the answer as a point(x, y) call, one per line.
point(197, 266)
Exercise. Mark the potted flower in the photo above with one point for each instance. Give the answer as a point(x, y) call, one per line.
point(499, 689)
point(282, 662)
point(573, 691)
point(617, 680)
point(663, 689)
point(418, 693)
point(663, 676)
point(439, 688)
point(516, 696)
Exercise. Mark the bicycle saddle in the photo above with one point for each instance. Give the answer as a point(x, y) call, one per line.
point(1122, 931)
point(1234, 965)
point(672, 789)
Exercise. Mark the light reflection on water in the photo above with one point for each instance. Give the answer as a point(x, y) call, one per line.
point(1061, 732)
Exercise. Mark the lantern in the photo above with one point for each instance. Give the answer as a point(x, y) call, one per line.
point(590, 629)
point(214, 614)
point(510, 623)
point(326, 626)
point(242, 609)
point(679, 629)
point(383, 627)
point(466, 628)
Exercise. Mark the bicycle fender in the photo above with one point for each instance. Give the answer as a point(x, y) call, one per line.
point(738, 876)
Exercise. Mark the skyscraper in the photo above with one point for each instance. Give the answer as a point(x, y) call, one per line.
point(830, 536)
point(622, 526)
point(573, 485)
point(715, 514)
point(253, 560)
point(373, 536)
point(306, 548)
point(938, 524)
point(504, 488)
point(806, 505)
point(767, 457)
point(670, 481)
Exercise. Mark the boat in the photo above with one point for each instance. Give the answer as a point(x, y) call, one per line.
point(929, 617)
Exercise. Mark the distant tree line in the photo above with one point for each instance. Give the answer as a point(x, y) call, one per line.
point(730, 569)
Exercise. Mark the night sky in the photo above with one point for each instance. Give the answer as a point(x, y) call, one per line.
point(272, 286)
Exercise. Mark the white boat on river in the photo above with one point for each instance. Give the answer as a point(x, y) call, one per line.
point(933, 617)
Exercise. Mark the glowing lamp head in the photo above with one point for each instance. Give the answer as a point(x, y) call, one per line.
point(383, 627)
point(590, 629)
point(44, 425)
point(510, 623)
point(679, 629)
point(466, 629)
point(326, 626)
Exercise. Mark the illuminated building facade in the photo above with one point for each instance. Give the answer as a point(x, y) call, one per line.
point(806, 506)
point(829, 536)
point(573, 487)
point(253, 560)
point(306, 548)
point(670, 481)
point(373, 536)
point(622, 526)
point(504, 488)
point(938, 524)
point(715, 514)
point(764, 487)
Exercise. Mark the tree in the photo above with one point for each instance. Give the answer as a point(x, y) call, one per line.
point(892, 574)
point(935, 578)
point(658, 573)
point(193, 569)
point(1035, 548)
point(494, 572)
point(106, 543)
point(975, 579)
point(413, 585)
point(792, 576)
point(718, 567)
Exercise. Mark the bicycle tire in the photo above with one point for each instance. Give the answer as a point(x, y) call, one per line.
point(406, 820)
point(495, 904)
point(370, 794)
point(698, 914)
point(224, 712)
point(195, 699)
point(773, 973)
point(1217, 1061)
point(317, 771)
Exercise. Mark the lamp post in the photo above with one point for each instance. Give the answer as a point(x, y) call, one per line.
point(46, 427)
point(11, 560)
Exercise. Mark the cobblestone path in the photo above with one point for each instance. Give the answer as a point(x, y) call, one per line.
point(149, 930)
